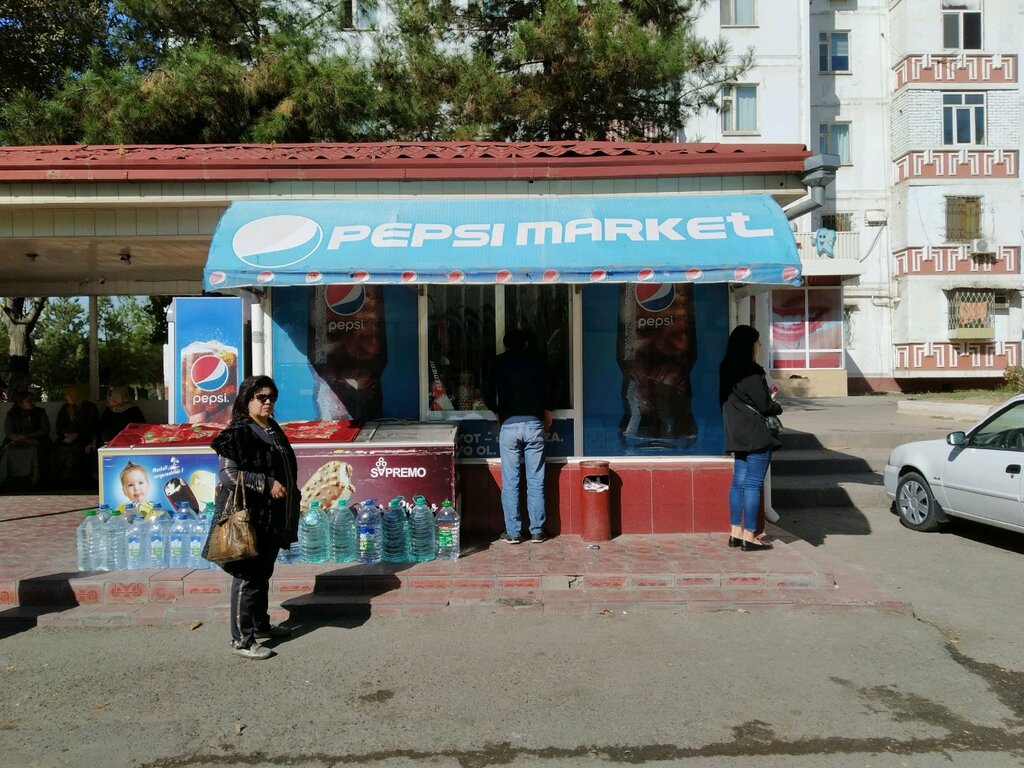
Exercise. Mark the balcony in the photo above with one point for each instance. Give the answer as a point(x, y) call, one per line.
point(938, 359)
point(959, 68)
point(844, 261)
point(957, 259)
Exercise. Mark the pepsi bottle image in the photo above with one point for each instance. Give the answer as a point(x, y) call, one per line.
point(656, 350)
point(209, 381)
point(348, 350)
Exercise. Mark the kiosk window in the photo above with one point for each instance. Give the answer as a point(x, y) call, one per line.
point(465, 326)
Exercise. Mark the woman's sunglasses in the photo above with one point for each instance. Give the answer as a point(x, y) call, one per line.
point(263, 398)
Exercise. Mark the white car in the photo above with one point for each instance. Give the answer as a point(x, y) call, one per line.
point(974, 474)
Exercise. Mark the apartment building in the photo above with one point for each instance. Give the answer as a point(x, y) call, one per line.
point(913, 273)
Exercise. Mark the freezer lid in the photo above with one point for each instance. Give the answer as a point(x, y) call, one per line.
point(407, 433)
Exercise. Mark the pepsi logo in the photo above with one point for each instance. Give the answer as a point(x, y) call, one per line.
point(694, 273)
point(741, 273)
point(264, 277)
point(645, 274)
point(503, 276)
point(790, 273)
point(598, 275)
point(409, 276)
point(314, 277)
point(550, 275)
point(655, 297)
point(456, 276)
point(209, 373)
point(273, 242)
point(361, 276)
point(345, 299)
point(216, 278)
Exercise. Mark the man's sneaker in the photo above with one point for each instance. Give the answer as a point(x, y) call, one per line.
point(255, 651)
point(537, 538)
point(505, 537)
point(274, 630)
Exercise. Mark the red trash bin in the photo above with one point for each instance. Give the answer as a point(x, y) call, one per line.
point(595, 500)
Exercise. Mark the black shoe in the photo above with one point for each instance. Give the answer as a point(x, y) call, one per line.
point(508, 539)
point(274, 630)
point(753, 546)
point(537, 538)
point(734, 542)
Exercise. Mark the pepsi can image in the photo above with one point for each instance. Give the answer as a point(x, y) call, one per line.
point(348, 350)
point(656, 350)
point(209, 381)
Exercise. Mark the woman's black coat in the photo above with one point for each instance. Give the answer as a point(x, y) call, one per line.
point(747, 403)
point(252, 449)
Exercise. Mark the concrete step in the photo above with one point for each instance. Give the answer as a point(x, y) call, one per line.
point(862, 491)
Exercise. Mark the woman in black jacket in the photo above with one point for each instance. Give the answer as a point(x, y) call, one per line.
point(745, 399)
point(255, 445)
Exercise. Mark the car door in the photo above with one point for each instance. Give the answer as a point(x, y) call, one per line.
point(983, 477)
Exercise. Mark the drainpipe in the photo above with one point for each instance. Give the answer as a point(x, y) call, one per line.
point(819, 172)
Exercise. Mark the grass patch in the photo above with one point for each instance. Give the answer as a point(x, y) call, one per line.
point(985, 396)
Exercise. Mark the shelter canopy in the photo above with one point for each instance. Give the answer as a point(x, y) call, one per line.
point(663, 239)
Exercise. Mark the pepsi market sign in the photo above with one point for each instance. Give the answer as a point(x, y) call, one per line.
point(657, 239)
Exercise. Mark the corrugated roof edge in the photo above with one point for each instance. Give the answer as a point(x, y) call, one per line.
point(394, 161)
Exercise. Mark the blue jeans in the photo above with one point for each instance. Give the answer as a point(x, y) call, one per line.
point(748, 474)
point(522, 438)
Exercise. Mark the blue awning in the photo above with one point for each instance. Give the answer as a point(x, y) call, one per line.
point(662, 239)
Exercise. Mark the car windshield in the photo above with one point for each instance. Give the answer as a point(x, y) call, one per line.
point(1006, 430)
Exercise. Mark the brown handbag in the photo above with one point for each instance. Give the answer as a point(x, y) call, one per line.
point(231, 536)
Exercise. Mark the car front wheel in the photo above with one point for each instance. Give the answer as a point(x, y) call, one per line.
point(915, 504)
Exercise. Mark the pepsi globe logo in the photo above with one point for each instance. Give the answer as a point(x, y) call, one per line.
point(655, 297)
point(361, 276)
point(645, 274)
point(790, 273)
point(209, 373)
point(694, 274)
point(345, 299)
point(264, 277)
point(550, 275)
point(409, 276)
point(741, 273)
point(273, 242)
point(503, 276)
point(456, 276)
point(314, 277)
point(598, 275)
point(216, 278)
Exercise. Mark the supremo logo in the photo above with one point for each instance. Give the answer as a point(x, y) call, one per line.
point(344, 301)
point(381, 469)
point(279, 241)
point(209, 373)
point(652, 297)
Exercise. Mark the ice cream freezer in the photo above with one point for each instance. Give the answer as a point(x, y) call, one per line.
point(171, 464)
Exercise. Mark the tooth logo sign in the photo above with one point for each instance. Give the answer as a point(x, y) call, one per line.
point(209, 373)
point(273, 242)
point(655, 297)
point(345, 299)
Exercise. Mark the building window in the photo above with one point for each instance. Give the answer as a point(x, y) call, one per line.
point(738, 13)
point(465, 326)
point(970, 309)
point(360, 14)
point(963, 218)
point(807, 328)
point(834, 139)
point(837, 222)
point(739, 109)
point(833, 51)
point(963, 118)
point(961, 30)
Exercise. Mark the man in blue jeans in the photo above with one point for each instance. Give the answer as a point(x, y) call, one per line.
point(520, 389)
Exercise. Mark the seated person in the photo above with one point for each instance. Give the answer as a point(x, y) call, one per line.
point(26, 437)
point(121, 411)
point(76, 427)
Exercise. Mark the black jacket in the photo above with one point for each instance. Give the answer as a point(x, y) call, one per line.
point(519, 384)
point(263, 456)
point(747, 403)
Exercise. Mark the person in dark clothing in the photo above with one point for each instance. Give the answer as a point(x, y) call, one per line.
point(255, 445)
point(121, 411)
point(519, 389)
point(75, 428)
point(23, 451)
point(745, 400)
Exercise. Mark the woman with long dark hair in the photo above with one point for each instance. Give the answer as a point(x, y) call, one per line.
point(745, 399)
point(255, 445)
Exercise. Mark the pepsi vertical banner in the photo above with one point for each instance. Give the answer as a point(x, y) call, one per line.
point(208, 354)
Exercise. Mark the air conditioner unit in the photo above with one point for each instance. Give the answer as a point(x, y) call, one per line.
point(980, 245)
point(875, 218)
point(1001, 301)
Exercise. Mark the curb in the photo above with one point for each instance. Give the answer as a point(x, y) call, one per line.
point(961, 411)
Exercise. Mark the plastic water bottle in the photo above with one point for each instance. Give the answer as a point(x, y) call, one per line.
point(209, 512)
point(91, 540)
point(314, 534)
point(289, 555)
point(187, 509)
point(368, 526)
point(424, 531)
point(131, 511)
point(448, 524)
point(198, 530)
point(395, 539)
point(159, 533)
point(137, 543)
point(103, 512)
point(117, 552)
point(158, 510)
point(344, 535)
point(177, 542)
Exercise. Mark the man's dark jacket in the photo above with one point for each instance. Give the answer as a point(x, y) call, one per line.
point(519, 384)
